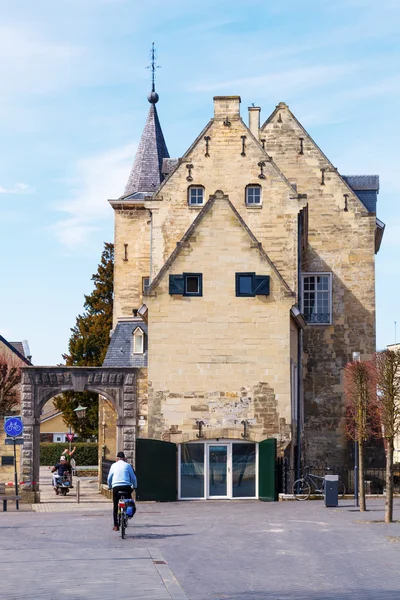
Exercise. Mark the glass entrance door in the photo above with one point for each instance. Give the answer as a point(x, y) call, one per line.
point(218, 471)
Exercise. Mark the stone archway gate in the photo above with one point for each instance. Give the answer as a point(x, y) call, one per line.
point(39, 384)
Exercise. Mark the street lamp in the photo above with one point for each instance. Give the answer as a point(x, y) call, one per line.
point(80, 411)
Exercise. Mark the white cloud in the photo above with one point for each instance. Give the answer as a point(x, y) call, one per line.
point(18, 188)
point(95, 180)
point(283, 82)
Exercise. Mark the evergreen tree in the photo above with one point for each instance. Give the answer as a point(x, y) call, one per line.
point(88, 345)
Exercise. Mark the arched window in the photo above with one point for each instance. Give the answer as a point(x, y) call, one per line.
point(138, 341)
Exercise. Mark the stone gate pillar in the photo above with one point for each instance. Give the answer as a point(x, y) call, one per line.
point(127, 424)
point(30, 458)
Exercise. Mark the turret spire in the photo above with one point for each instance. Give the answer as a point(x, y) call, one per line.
point(146, 175)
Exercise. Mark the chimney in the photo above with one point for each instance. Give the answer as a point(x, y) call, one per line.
point(226, 107)
point(254, 120)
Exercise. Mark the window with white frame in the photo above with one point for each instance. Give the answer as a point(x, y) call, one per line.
point(253, 195)
point(196, 195)
point(317, 298)
point(138, 341)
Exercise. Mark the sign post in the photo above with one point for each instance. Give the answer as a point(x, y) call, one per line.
point(70, 436)
point(13, 428)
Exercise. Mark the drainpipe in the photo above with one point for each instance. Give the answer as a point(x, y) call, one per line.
point(299, 346)
point(151, 245)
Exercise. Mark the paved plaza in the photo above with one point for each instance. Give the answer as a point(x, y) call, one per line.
point(201, 551)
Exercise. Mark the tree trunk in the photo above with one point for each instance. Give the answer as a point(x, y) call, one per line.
point(389, 482)
point(361, 485)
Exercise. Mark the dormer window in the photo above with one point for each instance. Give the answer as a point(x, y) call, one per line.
point(138, 341)
point(253, 195)
point(195, 195)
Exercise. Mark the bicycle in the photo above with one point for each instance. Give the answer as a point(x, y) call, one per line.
point(122, 516)
point(311, 483)
point(126, 510)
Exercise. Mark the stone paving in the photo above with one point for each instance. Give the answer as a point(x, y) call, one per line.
point(50, 502)
point(239, 550)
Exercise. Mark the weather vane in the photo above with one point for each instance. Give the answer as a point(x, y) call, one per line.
point(153, 67)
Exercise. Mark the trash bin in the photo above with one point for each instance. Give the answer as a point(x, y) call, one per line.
point(331, 490)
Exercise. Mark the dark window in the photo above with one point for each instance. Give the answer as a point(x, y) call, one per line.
point(196, 196)
point(7, 461)
point(250, 284)
point(193, 284)
point(188, 284)
point(245, 284)
point(253, 195)
point(145, 284)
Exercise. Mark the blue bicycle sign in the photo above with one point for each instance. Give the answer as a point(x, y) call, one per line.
point(13, 426)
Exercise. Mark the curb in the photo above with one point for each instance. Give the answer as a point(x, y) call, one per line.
point(168, 578)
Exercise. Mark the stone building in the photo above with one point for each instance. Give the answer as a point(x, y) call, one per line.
point(244, 279)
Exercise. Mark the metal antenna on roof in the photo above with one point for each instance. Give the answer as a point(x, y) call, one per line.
point(395, 327)
point(153, 96)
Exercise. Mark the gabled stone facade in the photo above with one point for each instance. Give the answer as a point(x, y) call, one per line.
point(222, 359)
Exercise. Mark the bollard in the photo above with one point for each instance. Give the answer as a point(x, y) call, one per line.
point(78, 491)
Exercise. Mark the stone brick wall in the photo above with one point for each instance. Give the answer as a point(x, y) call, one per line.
point(132, 227)
point(107, 437)
point(219, 358)
point(340, 242)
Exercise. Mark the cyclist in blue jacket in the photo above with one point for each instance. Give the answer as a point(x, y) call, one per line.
point(121, 478)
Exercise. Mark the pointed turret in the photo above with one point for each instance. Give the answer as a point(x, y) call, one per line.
point(146, 175)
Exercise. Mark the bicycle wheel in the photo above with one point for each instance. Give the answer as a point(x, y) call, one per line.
point(301, 489)
point(123, 524)
point(341, 489)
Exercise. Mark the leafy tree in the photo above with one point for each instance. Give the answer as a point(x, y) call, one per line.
point(10, 377)
point(88, 345)
point(388, 405)
point(361, 413)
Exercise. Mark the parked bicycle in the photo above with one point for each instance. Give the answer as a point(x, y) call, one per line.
point(313, 484)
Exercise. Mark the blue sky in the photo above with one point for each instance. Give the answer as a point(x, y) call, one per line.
point(73, 106)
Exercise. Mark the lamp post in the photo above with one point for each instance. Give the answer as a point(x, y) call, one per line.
point(356, 358)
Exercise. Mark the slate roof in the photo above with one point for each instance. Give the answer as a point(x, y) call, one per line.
point(120, 350)
point(20, 349)
point(146, 173)
point(50, 414)
point(366, 187)
point(362, 182)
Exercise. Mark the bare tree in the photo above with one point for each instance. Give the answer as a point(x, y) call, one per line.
point(10, 377)
point(360, 392)
point(388, 406)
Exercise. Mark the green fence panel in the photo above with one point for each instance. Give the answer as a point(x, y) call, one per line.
point(156, 470)
point(267, 489)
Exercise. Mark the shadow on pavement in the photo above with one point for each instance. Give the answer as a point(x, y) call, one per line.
point(155, 525)
point(156, 536)
point(311, 595)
